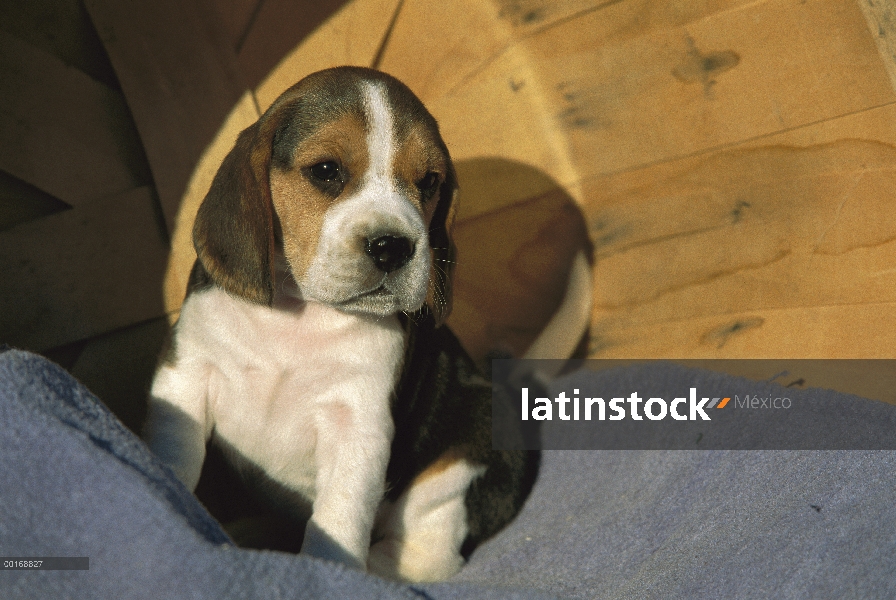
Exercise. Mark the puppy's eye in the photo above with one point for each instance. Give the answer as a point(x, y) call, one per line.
point(327, 171)
point(428, 185)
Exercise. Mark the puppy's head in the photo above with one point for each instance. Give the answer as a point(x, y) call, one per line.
point(347, 177)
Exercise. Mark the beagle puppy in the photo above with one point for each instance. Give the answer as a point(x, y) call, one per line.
point(309, 345)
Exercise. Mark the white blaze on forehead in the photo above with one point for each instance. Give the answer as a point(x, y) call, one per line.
point(380, 133)
point(341, 270)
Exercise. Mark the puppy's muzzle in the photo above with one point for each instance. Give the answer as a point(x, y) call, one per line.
point(389, 253)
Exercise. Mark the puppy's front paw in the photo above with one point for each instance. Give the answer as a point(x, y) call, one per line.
point(404, 561)
point(320, 545)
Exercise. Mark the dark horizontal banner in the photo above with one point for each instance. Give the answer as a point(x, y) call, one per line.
point(693, 405)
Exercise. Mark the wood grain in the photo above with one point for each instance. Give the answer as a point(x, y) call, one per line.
point(881, 17)
point(352, 35)
point(180, 78)
point(62, 131)
point(61, 28)
point(725, 78)
point(236, 19)
point(21, 202)
point(794, 225)
point(82, 272)
point(432, 64)
point(277, 28)
point(512, 267)
point(816, 332)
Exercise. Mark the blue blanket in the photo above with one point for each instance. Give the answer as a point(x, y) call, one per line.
point(598, 524)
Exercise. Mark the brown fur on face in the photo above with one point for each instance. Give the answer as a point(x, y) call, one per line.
point(264, 179)
point(419, 154)
point(299, 204)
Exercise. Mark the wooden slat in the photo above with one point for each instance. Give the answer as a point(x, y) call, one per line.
point(62, 131)
point(435, 45)
point(482, 32)
point(615, 20)
point(881, 17)
point(799, 221)
point(82, 272)
point(63, 29)
point(626, 89)
point(21, 202)
point(615, 89)
point(180, 79)
point(528, 16)
point(236, 17)
point(278, 27)
point(840, 331)
point(351, 36)
point(503, 116)
point(730, 77)
point(771, 227)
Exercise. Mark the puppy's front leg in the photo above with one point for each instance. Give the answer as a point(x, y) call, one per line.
point(176, 426)
point(352, 454)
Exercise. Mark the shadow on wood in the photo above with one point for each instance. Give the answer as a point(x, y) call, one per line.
point(513, 258)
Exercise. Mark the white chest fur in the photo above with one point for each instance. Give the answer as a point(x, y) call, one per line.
point(303, 392)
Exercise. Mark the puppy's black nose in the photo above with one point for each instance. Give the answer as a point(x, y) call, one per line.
point(389, 253)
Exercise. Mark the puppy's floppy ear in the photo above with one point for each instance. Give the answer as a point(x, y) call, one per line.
point(438, 296)
point(234, 229)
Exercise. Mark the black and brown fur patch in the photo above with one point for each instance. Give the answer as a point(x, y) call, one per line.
point(442, 414)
